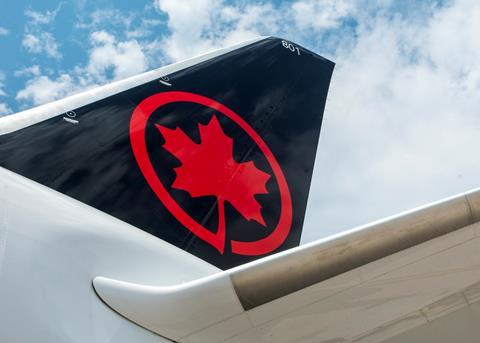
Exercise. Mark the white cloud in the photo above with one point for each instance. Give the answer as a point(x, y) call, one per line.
point(402, 121)
point(130, 25)
point(29, 71)
point(105, 18)
point(204, 25)
point(38, 39)
point(42, 18)
point(321, 14)
point(145, 28)
point(123, 59)
point(3, 31)
point(41, 42)
point(109, 60)
point(43, 89)
point(5, 109)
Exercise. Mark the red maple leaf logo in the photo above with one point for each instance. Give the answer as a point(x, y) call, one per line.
point(209, 169)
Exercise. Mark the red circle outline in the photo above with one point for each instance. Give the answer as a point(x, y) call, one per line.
point(138, 124)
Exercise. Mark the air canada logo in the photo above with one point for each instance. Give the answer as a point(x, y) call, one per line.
point(208, 168)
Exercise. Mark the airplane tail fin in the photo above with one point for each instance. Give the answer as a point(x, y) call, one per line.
point(215, 157)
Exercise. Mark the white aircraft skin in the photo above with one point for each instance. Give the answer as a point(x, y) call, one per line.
point(51, 248)
point(72, 273)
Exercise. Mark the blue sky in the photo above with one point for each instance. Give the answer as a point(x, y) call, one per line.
point(56, 37)
point(63, 30)
point(402, 121)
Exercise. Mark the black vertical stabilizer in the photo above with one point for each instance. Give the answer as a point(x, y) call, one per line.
point(216, 158)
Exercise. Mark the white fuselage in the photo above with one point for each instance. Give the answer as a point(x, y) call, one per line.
point(51, 248)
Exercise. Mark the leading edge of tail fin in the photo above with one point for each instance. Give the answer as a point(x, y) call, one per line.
point(215, 158)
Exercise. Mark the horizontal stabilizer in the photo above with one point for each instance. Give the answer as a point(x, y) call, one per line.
point(230, 303)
